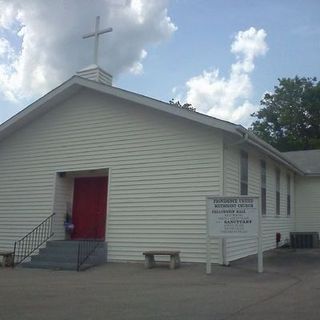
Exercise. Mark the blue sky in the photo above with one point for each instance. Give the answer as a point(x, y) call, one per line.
point(197, 39)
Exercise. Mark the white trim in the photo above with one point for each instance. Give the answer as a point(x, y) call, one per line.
point(208, 241)
point(222, 169)
point(53, 203)
point(260, 184)
point(276, 170)
point(54, 191)
point(260, 239)
point(108, 205)
point(222, 242)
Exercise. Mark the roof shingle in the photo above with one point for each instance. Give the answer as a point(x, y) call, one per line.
point(307, 160)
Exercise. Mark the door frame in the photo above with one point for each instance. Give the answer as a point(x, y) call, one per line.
point(68, 173)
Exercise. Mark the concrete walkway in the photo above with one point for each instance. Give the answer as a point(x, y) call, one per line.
point(289, 289)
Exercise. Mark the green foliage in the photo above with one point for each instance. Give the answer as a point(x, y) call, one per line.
point(187, 106)
point(290, 117)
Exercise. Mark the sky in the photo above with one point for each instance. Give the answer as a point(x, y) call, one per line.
point(220, 56)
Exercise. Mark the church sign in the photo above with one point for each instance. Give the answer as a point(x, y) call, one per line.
point(232, 216)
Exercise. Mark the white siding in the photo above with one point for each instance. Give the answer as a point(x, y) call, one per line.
point(231, 171)
point(238, 248)
point(307, 199)
point(162, 168)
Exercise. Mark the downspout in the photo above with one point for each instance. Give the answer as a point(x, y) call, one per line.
point(225, 261)
point(275, 154)
point(244, 139)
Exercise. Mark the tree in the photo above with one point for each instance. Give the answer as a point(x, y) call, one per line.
point(290, 117)
point(187, 106)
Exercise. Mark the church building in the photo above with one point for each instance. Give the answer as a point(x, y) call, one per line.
point(135, 172)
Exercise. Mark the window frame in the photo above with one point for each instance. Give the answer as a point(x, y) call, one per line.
point(278, 189)
point(263, 186)
point(244, 175)
point(288, 194)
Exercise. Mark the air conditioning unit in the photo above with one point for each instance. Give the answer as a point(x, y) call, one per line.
point(304, 240)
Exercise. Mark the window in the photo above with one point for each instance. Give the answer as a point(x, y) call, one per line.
point(244, 173)
point(277, 191)
point(288, 194)
point(263, 168)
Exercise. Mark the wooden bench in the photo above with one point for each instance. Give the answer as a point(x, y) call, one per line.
point(7, 258)
point(174, 258)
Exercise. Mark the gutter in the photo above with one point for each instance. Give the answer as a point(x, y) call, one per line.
point(245, 138)
point(314, 174)
point(272, 152)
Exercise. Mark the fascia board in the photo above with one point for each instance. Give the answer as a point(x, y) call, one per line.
point(159, 105)
point(75, 83)
point(60, 93)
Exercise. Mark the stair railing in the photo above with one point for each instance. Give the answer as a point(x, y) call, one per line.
point(33, 240)
point(87, 247)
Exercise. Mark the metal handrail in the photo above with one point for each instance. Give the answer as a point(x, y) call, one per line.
point(34, 239)
point(86, 247)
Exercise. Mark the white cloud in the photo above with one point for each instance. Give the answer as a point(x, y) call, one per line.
point(6, 52)
point(51, 46)
point(228, 98)
point(137, 67)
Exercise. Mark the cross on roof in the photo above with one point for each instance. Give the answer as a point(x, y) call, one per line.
point(96, 35)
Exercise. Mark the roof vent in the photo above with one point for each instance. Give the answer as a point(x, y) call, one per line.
point(95, 73)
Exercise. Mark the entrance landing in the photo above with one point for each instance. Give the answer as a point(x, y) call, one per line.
point(63, 255)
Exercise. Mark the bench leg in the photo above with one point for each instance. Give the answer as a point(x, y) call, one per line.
point(178, 261)
point(9, 261)
point(172, 262)
point(149, 262)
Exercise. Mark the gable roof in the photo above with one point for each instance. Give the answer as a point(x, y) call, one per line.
point(307, 160)
point(76, 83)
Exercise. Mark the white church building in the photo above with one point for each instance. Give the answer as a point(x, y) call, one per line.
point(135, 172)
point(144, 168)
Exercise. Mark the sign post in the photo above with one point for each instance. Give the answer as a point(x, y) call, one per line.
point(260, 248)
point(234, 217)
point(208, 262)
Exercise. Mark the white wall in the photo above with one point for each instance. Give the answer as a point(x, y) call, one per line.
point(161, 170)
point(271, 223)
point(307, 204)
point(62, 203)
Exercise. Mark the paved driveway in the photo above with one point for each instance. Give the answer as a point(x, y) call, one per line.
point(289, 289)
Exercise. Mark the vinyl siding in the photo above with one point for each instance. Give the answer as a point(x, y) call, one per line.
point(238, 248)
point(161, 170)
point(308, 204)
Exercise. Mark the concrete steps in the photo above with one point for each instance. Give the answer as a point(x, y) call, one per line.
point(63, 255)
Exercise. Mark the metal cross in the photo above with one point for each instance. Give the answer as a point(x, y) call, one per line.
point(96, 35)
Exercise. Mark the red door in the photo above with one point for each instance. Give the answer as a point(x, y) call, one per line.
point(89, 207)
